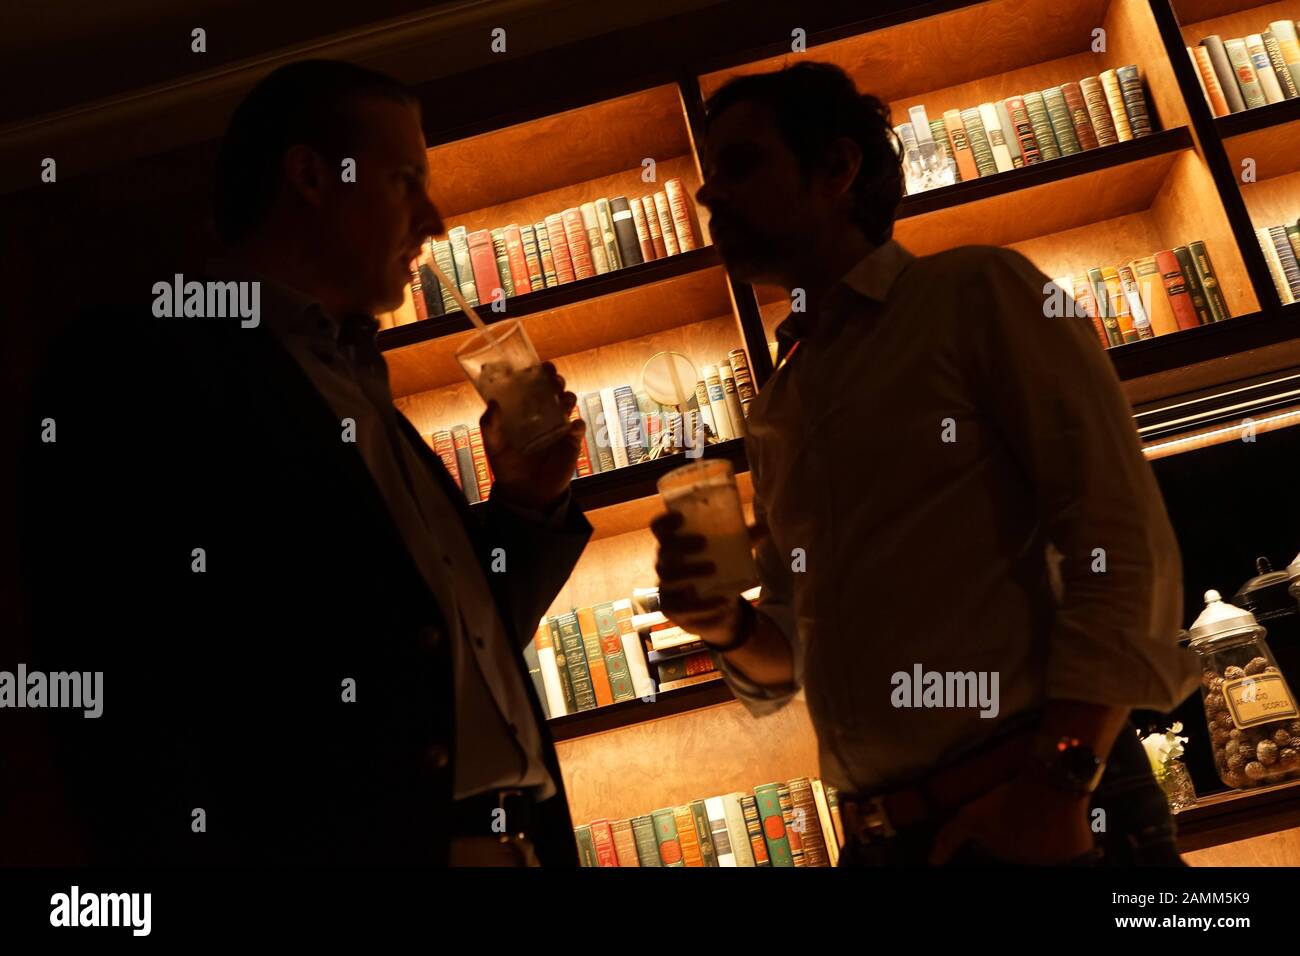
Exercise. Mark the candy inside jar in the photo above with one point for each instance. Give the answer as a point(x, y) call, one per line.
point(1253, 721)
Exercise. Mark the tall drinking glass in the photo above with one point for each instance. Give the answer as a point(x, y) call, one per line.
point(503, 365)
point(704, 493)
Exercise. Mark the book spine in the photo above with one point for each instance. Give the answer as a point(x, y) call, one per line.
point(484, 260)
point(665, 216)
point(718, 402)
point(447, 265)
point(516, 259)
point(503, 261)
point(1285, 78)
point(558, 234)
point(465, 463)
point(575, 235)
point(647, 846)
point(1079, 121)
point(960, 145)
point(595, 241)
point(1037, 110)
point(534, 664)
point(651, 420)
point(827, 827)
point(633, 650)
point(555, 703)
point(1115, 103)
point(1223, 69)
point(532, 258)
point(429, 285)
point(562, 667)
point(445, 448)
point(689, 681)
point(1209, 281)
point(1287, 259)
point(979, 142)
point(1176, 288)
point(1083, 295)
point(1094, 98)
point(575, 658)
point(595, 655)
point(720, 839)
point(582, 467)
point(589, 437)
point(611, 648)
point(734, 411)
point(1210, 81)
point(642, 229)
point(605, 219)
point(625, 231)
point(739, 361)
point(833, 803)
point(703, 832)
point(768, 801)
point(1024, 130)
point(939, 133)
point(625, 850)
point(805, 812)
point(1009, 134)
point(1118, 305)
point(1203, 314)
point(1128, 283)
point(679, 205)
point(1269, 246)
point(667, 838)
point(482, 472)
point(652, 224)
point(792, 833)
point(1264, 72)
point(754, 829)
point(1155, 301)
point(1105, 307)
point(1058, 114)
point(458, 239)
point(688, 836)
point(602, 451)
point(602, 838)
point(629, 416)
point(1284, 31)
point(1247, 80)
point(614, 427)
point(705, 409)
point(1140, 119)
point(545, 250)
point(586, 847)
point(737, 832)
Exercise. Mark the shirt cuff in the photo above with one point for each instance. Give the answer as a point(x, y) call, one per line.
point(758, 700)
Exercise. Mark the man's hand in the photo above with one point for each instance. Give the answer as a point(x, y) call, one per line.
point(536, 479)
point(713, 619)
point(1024, 821)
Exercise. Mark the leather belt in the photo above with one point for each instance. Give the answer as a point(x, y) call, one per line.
point(869, 818)
point(498, 813)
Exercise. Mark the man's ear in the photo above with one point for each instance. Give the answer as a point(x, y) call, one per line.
point(843, 160)
point(304, 174)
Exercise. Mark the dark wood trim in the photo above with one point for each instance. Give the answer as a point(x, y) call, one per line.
point(1238, 815)
point(543, 300)
point(629, 712)
point(1247, 121)
point(1205, 342)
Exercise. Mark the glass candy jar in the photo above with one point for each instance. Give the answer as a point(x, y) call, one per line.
point(1252, 716)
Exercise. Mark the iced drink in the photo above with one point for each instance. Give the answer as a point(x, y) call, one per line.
point(705, 495)
point(503, 366)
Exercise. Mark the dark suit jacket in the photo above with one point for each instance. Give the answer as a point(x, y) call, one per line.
point(223, 689)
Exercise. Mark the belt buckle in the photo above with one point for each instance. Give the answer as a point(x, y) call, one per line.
point(502, 795)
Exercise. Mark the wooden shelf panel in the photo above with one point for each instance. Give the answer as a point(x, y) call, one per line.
point(636, 514)
point(1272, 144)
point(1229, 18)
point(1239, 814)
point(641, 299)
point(630, 712)
point(1274, 201)
point(552, 152)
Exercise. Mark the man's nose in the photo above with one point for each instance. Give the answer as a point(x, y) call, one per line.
point(430, 222)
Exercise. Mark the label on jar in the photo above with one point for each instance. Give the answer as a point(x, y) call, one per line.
point(1258, 699)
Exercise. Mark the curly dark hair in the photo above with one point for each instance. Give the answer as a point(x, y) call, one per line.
point(815, 104)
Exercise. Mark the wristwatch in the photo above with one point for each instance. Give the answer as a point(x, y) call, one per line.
point(744, 628)
point(1068, 764)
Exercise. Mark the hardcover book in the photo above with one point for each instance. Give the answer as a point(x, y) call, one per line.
point(535, 675)
point(532, 258)
point(575, 233)
point(625, 843)
point(1155, 301)
point(979, 142)
point(562, 667)
point(647, 844)
point(679, 205)
point(767, 800)
point(960, 145)
point(1047, 146)
point(605, 220)
point(1244, 70)
point(575, 657)
point(520, 281)
point(642, 228)
point(666, 836)
point(1115, 103)
point(595, 655)
point(626, 232)
point(446, 450)
point(503, 261)
point(465, 463)
point(1094, 98)
point(1135, 101)
point(602, 838)
point(595, 241)
point(687, 836)
point(1079, 120)
point(458, 240)
point(1058, 114)
point(1209, 281)
point(484, 261)
point(1199, 302)
point(1023, 129)
point(611, 645)
point(1180, 301)
point(1223, 69)
point(482, 471)
point(666, 228)
point(652, 225)
point(704, 832)
point(754, 829)
point(633, 650)
point(550, 667)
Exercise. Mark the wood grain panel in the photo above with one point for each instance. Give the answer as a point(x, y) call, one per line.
point(639, 769)
point(545, 154)
point(909, 59)
point(1106, 243)
point(1227, 368)
point(584, 325)
point(618, 363)
point(1274, 202)
point(1273, 149)
point(1269, 849)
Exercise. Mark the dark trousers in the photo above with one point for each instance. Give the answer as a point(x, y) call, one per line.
point(1139, 829)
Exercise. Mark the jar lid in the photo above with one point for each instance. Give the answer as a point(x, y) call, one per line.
point(1220, 619)
point(1266, 593)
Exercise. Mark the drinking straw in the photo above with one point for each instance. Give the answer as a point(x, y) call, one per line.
point(465, 307)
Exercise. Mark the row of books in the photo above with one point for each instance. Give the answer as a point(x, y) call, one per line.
point(1033, 127)
point(1245, 72)
point(1153, 295)
point(614, 651)
point(461, 450)
point(1281, 245)
point(779, 824)
point(582, 241)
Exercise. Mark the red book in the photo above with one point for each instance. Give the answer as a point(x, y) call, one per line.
point(482, 473)
point(446, 450)
point(518, 262)
point(1083, 295)
point(603, 839)
point(642, 229)
point(1176, 285)
point(1079, 118)
point(576, 234)
point(559, 248)
point(483, 259)
point(417, 292)
point(584, 459)
point(652, 224)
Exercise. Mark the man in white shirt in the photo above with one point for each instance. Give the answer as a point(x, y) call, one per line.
point(929, 438)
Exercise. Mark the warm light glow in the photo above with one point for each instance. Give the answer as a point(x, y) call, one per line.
point(1219, 435)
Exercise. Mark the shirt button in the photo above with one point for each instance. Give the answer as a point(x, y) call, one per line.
point(438, 756)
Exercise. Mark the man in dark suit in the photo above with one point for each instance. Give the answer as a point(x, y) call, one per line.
point(310, 645)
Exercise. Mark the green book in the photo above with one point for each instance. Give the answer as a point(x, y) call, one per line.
point(586, 846)
point(704, 830)
point(543, 238)
point(1042, 126)
point(605, 218)
point(1062, 126)
point(561, 664)
point(442, 256)
point(1209, 282)
point(575, 658)
point(647, 847)
point(611, 644)
point(1105, 308)
point(666, 838)
point(979, 142)
point(503, 261)
point(1194, 287)
point(767, 799)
